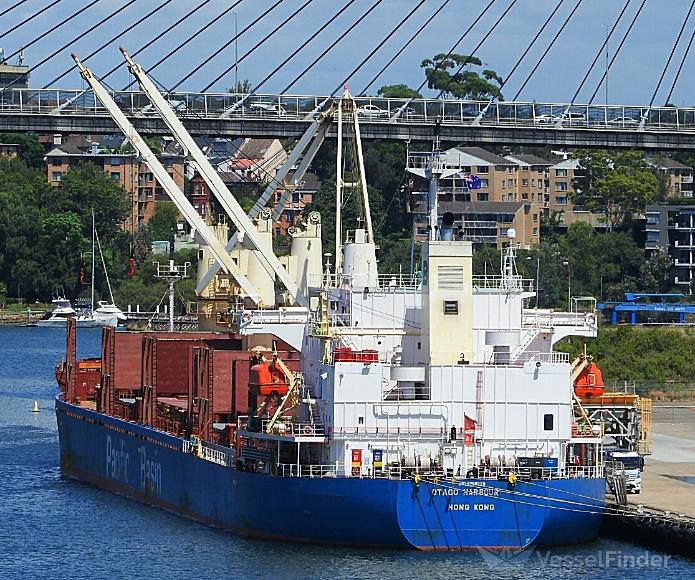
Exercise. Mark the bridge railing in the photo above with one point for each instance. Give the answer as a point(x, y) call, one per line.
point(370, 109)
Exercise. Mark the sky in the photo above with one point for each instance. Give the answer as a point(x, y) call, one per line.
point(632, 79)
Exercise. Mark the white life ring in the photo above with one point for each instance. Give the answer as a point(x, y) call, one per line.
point(246, 318)
point(308, 430)
point(591, 319)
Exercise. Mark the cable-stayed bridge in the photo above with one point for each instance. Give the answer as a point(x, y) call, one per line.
point(262, 115)
point(359, 40)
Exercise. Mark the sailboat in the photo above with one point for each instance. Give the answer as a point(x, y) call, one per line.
point(106, 313)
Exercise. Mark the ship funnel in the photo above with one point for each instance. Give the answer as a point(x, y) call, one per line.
point(446, 232)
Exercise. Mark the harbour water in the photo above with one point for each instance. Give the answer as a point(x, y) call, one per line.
point(53, 527)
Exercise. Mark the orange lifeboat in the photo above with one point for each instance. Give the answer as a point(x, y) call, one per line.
point(266, 381)
point(589, 383)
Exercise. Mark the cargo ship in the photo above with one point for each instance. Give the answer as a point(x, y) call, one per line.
point(340, 406)
point(437, 431)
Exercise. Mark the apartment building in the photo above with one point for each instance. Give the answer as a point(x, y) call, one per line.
point(558, 200)
point(532, 180)
point(132, 174)
point(498, 179)
point(679, 177)
point(672, 228)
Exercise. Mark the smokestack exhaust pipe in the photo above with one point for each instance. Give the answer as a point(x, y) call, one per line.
point(446, 231)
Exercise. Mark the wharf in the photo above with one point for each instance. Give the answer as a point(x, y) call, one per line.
point(663, 514)
point(668, 479)
point(19, 318)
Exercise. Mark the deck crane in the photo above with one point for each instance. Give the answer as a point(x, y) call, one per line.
point(230, 205)
point(305, 150)
point(163, 177)
point(310, 143)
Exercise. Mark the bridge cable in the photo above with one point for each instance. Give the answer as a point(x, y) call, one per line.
point(547, 49)
point(620, 46)
point(75, 39)
point(599, 52)
point(28, 19)
point(140, 50)
point(406, 45)
point(214, 20)
point(303, 45)
point(332, 45)
point(468, 59)
point(225, 45)
point(380, 45)
point(528, 48)
point(260, 170)
point(11, 8)
point(255, 46)
point(680, 66)
point(113, 39)
point(159, 36)
point(670, 56)
point(56, 27)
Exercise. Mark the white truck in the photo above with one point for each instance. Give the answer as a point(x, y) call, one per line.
point(632, 463)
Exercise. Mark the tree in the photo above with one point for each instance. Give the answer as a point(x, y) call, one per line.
point(655, 275)
point(401, 91)
point(87, 187)
point(470, 82)
point(618, 185)
point(242, 87)
point(30, 150)
point(164, 220)
point(153, 143)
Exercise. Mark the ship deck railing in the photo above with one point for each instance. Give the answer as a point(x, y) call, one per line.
point(210, 452)
point(377, 283)
point(400, 472)
point(499, 282)
point(283, 427)
point(246, 318)
point(542, 357)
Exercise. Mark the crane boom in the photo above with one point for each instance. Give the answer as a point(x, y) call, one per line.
point(158, 170)
point(316, 133)
point(230, 205)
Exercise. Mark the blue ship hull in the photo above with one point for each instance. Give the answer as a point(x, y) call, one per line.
point(150, 466)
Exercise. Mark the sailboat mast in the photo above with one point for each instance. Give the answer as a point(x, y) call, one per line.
point(91, 304)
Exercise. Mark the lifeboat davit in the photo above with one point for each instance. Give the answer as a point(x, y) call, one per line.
point(589, 383)
point(265, 381)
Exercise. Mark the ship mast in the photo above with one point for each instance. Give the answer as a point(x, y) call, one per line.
point(94, 229)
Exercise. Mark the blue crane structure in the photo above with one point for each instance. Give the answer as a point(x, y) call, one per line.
point(633, 305)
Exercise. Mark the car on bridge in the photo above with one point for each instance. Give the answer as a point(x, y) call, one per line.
point(272, 109)
point(562, 118)
point(372, 111)
point(623, 122)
